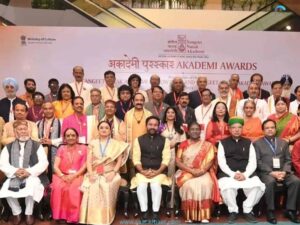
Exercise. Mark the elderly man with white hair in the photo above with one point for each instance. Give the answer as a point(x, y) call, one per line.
point(177, 87)
point(10, 86)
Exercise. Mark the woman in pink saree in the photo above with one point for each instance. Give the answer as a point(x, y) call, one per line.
point(69, 167)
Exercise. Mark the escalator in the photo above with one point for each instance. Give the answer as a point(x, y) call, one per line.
point(271, 17)
point(111, 13)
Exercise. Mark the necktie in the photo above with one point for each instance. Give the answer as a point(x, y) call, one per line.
point(11, 112)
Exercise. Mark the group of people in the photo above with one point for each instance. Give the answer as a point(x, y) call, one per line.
point(83, 143)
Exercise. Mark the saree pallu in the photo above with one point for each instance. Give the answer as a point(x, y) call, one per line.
point(197, 193)
point(287, 125)
point(252, 129)
point(99, 196)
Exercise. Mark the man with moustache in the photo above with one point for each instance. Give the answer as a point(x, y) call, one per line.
point(185, 113)
point(85, 125)
point(79, 86)
point(10, 86)
point(135, 122)
point(23, 161)
point(96, 107)
point(53, 85)
point(195, 96)
point(30, 87)
point(154, 82)
point(156, 106)
point(109, 91)
point(274, 166)
point(20, 113)
point(151, 156)
point(258, 79)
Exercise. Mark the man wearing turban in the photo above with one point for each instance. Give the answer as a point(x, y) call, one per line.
point(237, 165)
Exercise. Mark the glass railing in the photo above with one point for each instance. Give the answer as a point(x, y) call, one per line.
point(267, 18)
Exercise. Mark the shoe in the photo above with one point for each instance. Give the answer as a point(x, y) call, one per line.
point(17, 219)
point(29, 220)
point(271, 217)
point(232, 217)
point(292, 216)
point(250, 217)
point(144, 217)
point(155, 218)
point(205, 221)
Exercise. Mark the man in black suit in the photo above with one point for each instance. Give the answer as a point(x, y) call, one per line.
point(10, 86)
point(274, 166)
point(258, 79)
point(195, 96)
point(185, 113)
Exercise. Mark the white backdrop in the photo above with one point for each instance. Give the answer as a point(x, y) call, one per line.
point(45, 52)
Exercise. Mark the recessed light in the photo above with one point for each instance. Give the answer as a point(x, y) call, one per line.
point(288, 27)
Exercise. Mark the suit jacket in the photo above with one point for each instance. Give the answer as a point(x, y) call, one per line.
point(189, 115)
point(5, 107)
point(263, 95)
point(195, 99)
point(264, 156)
point(150, 107)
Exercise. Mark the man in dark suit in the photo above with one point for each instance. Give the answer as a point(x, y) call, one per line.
point(195, 96)
point(258, 79)
point(10, 86)
point(185, 113)
point(274, 166)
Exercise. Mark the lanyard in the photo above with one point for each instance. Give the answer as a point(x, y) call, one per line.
point(273, 148)
point(103, 150)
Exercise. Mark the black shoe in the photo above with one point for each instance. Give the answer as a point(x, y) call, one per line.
point(271, 217)
point(250, 217)
point(144, 217)
point(155, 218)
point(232, 217)
point(292, 216)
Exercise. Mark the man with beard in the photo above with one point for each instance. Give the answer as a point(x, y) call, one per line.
point(109, 91)
point(185, 113)
point(151, 156)
point(30, 87)
point(258, 79)
point(135, 124)
point(20, 112)
point(85, 125)
point(79, 86)
point(287, 82)
point(177, 86)
point(23, 161)
point(10, 86)
point(53, 85)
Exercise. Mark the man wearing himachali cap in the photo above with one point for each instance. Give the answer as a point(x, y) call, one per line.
point(237, 165)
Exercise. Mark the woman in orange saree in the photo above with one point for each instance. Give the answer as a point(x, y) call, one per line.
point(196, 177)
point(287, 124)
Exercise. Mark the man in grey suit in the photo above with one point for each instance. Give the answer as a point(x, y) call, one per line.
point(157, 107)
point(274, 166)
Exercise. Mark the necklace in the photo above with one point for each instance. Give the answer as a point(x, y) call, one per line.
point(138, 120)
point(171, 132)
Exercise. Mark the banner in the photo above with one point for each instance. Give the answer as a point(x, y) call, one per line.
point(42, 53)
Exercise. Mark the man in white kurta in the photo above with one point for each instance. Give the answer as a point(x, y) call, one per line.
point(109, 91)
point(237, 164)
point(24, 176)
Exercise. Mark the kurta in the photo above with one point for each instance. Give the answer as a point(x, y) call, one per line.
point(252, 129)
point(237, 93)
point(85, 126)
point(108, 93)
point(9, 134)
point(66, 197)
point(82, 89)
point(99, 196)
point(33, 186)
point(294, 105)
point(137, 159)
point(122, 108)
point(98, 111)
point(197, 193)
point(27, 98)
point(262, 110)
point(35, 113)
point(203, 116)
point(63, 109)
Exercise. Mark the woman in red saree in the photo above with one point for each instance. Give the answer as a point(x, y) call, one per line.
point(217, 129)
point(287, 124)
point(196, 177)
point(69, 167)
